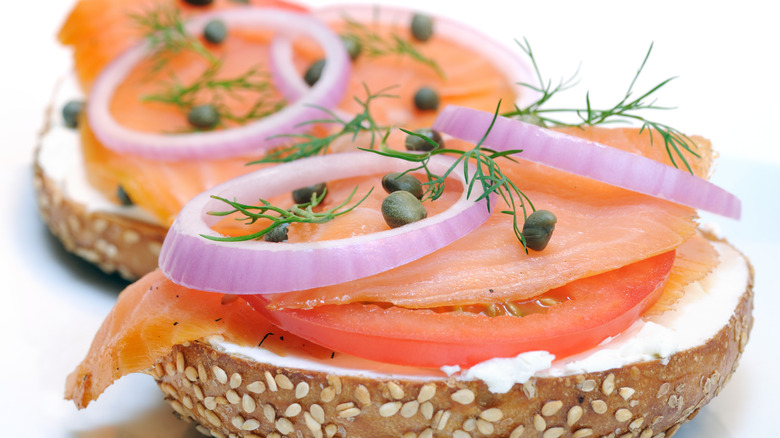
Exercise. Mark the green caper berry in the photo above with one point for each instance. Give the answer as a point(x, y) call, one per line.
point(203, 116)
point(395, 181)
point(426, 99)
point(71, 112)
point(401, 208)
point(314, 72)
point(215, 31)
point(538, 229)
point(199, 2)
point(416, 143)
point(124, 198)
point(304, 194)
point(277, 234)
point(353, 46)
point(532, 119)
point(422, 27)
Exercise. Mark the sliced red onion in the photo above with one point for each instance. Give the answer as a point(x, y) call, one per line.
point(258, 267)
point(250, 138)
point(589, 159)
point(511, 63)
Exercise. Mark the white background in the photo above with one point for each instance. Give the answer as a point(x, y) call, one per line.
point(723, 53)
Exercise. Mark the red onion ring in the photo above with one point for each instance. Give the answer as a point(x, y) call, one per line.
point(589, 159)
point(249, 138)
point(511, 63)
point(259, 267)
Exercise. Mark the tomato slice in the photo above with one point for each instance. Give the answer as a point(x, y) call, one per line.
point(597, 307)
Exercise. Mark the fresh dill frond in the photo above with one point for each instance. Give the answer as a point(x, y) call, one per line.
point(166, 34)
point(679, 147)
point(480, 166)
point(309, 145)
point(298, 213)
point(374, 45)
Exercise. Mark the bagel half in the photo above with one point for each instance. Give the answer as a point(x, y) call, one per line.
point(229, 395)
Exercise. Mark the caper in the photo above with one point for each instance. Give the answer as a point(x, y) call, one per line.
point(353, 46)
point(276, 234)
point(417, 143)
point(395, 181)
point(215, 31)
point(199, 2)
point(538, 229)
point(401, 208)
point(71, 112)
point(422, 27)
point(124, 198)
point(426, 99)
point(314, 72)
point(203, 116)
point(532, 119)
point(304, 194)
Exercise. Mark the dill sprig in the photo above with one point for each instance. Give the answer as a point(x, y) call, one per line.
point(677, 144)
point(479, 167)
point(167, 36)
point(298, 213)
point(374, 45)
point(310, 145)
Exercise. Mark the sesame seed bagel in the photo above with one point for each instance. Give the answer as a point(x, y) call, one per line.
point(233, 396)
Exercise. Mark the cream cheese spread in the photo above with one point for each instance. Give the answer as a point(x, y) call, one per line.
point(705, 308)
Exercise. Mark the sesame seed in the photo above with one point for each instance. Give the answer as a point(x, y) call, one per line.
point(191, 373)
point(426, 392)
point(269, 379)
point(328, 394)
point(587, 385)
point(636, 424)
point(634, 403)
point(492, 415)
point(470, 425)
point(301, 390)
point(274, 435)
point(582, 433)
point(427, 433)
point(647, 433)
point(158, 370)
point(460, 434)
point(283, 382)
point(362, 395)
point(284, 426)
point(539, 423)
point(673, 401)
point(232, 397)
point(256, 387)
point(180, 362)
point(317, 413)
point(517, 432)
point(248, 404)
point(626, 392)
point(529, 388)
point(395, 390)
point(203, 430)
point(599, 406)
point(608, 386)
point(427, 410)
point(331, 430)
point(250, 424)
point(186, 383)
point(202, 373)
point(349, 413)
point(484, 427)
point(444, 418)
point(221, 400)
point(170, 368)
point(463, 396)
point(623, 415)
point(293, 410)
point(213, 418)
point(389, 409)
point(210, 403)
point(663, 390)
point(131, 237)
point(198, 392)
point(237, 421)
point(574, 415)
point(235, 380)
point(627, 435)
point(551, 408)
point(409, 435)
point(187, 401)
point(269, 413)
point(553, 432)
point(200, 409)
point(410, 408)
point(335, 382)
point(178, 408)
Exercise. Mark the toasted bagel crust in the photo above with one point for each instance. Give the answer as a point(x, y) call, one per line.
point(114, 243)
point(230, 396)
